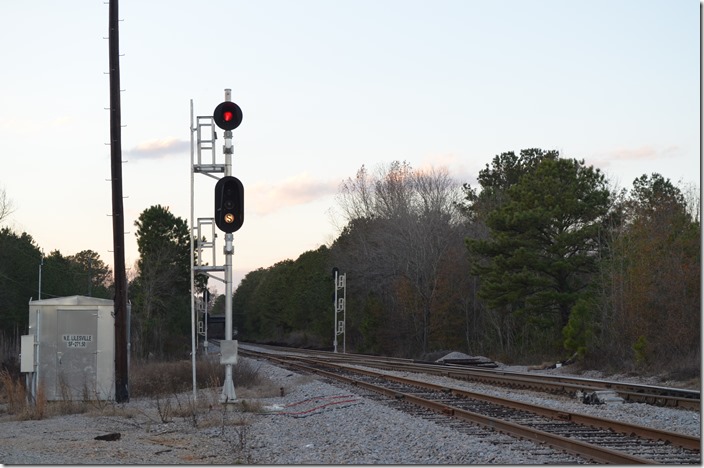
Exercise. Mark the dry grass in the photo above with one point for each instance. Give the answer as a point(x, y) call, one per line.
point(166, 382)
point(9, 352)
point(169, 378)
point(167, 387)
point(15, 396)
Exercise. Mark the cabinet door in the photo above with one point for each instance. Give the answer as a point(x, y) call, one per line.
point(76, 354)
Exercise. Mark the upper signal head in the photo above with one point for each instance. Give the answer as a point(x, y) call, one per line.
point(227, 115)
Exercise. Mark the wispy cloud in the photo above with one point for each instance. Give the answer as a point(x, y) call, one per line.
point(161, 148)
point(62, 121)
point(640, 153)
point(455, 166)
point(267, 197)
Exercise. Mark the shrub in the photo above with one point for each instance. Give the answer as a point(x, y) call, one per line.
point(167, 378)
point(640, 349)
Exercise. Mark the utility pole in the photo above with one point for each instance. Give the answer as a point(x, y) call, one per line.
point(41, 263)
point(118, 223)
point(90, 277)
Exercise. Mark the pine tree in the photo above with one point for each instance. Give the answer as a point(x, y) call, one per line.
point(540, 251)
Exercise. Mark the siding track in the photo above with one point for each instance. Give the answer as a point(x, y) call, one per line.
point(654, 395)
point(596, 439)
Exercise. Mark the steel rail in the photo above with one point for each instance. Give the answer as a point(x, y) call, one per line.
point(656, 395)
point(681, 440)
point(576, 447)
point(629, 392)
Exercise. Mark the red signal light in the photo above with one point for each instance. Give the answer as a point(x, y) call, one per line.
point(227, 115)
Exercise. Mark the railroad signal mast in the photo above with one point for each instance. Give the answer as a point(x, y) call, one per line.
point(339, 306)
point(228, 216)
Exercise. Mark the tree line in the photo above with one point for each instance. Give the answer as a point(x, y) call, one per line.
point(22, 264)
point(158, 289)
point(541, 260)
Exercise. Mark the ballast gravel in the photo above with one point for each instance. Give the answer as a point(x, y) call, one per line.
point(314, 422)
point(368, 432)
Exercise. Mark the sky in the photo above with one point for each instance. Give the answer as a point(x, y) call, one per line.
point(326, 87)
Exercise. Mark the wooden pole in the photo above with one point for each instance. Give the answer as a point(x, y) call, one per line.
point(118, 222)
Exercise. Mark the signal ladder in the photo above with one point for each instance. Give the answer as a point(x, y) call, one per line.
point(203, 235)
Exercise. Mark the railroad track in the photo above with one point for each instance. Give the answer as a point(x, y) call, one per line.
point(595, 439)
point(630, 392)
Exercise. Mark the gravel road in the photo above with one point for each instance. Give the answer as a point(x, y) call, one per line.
point(313, 423)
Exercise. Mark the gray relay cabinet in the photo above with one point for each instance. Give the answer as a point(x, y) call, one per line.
point(69, 352)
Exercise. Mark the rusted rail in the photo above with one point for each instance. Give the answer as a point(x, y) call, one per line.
point(440, 399)
point(655, 395)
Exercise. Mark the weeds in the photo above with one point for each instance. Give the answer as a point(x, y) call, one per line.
point(239, 442)
point(93, 400)
point(149, 379)
point(66, 404)
point(237, 435)
point(18, 403)
point(187, 410)
point(167, 385)
point(14, 392)
point(164, 410)
point(9, 352)
point(167, 378)
point(38, 410)
point(251, 406)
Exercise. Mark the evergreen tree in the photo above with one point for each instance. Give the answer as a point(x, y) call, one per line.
point(288, 302)
point(82, 274)
point(19, 279)
point(543, 236)
point(161, 290)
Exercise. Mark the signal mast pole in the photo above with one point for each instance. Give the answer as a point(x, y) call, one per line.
point(228, 217)
point(228, 389)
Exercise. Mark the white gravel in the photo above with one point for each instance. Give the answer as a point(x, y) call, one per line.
point(313, 423)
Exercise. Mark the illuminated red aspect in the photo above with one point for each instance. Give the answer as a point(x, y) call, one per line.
point(227, 115)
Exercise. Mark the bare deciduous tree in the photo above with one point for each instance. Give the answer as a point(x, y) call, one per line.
point(401, 226)
point(6, 206)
